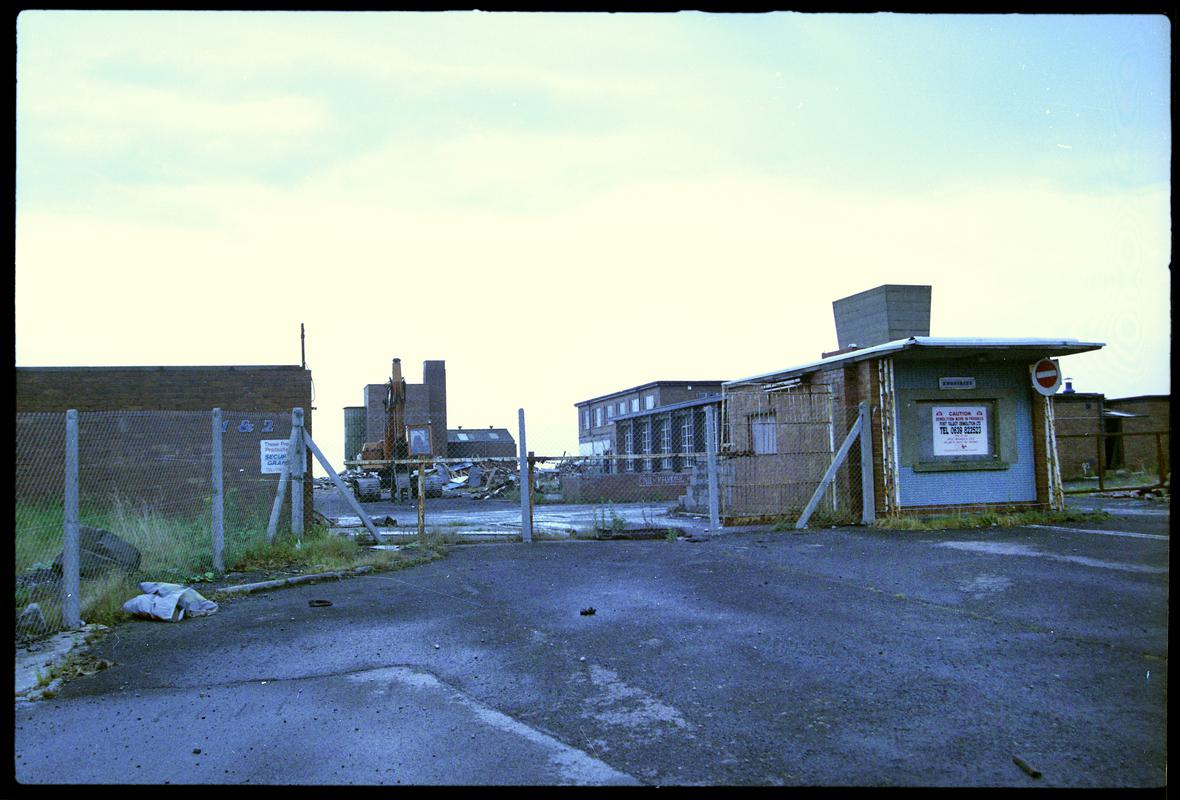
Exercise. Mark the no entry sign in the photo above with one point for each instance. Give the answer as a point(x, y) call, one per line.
point(1046, 376)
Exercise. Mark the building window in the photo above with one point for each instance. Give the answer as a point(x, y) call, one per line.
point(598, 417)
point(763, 435)
point(610, 411)
point(666, 441)
point(622, 408)
point(634, 405)
point(586, 419)
point(463, 437)
point(493, 435)
point(957, 435)
point(646, 466)
point(688, 437)
point(649, 402)
point(629, 447)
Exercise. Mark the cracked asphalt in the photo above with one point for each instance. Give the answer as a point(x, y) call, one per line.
point(841, 657)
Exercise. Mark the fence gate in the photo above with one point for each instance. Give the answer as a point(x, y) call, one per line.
point(778, 443)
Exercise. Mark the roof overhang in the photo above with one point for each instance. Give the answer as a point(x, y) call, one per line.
point(931, 347)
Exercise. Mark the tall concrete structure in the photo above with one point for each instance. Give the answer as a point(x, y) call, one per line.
point(426, 404)
point(884, 314)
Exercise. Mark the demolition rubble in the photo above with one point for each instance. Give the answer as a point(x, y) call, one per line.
point(478, 479)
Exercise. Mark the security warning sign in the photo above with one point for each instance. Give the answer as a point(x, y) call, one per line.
point(960, 430)
point(274, 454)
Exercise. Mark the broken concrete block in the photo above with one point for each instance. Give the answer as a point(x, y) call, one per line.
point(101, 551)
point(31, 622)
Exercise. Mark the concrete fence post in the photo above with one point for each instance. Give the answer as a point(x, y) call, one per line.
point(711, 466)
point(526, 486)
point(71, 606)
point(868, 513)
point(218, 503)
point(298, 460)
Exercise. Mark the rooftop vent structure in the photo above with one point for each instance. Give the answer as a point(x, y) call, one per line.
point(883, 314)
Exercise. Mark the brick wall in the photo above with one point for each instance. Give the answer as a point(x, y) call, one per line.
point(1139, 447)
point(145, 433)
point(1078, 413)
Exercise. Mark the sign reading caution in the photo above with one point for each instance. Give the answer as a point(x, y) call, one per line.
point(960, 430)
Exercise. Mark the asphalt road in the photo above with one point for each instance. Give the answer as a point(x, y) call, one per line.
point(830, 657)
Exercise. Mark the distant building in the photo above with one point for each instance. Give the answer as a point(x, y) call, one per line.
point(426, 404)
point(1129, 425)
point(476, 443)
point(596, 416)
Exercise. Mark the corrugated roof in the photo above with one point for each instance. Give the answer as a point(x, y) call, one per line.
point(1035, 348)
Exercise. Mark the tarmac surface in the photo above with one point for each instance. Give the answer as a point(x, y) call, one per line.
point(844, 657)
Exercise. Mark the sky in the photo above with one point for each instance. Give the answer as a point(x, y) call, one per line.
point(565, 205)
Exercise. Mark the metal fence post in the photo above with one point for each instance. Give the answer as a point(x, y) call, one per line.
point(422, 502)
point(218, 507)
point(298, 460)
point(526, 488)
point(868, 514)
point(71, 606)
point(711, 466)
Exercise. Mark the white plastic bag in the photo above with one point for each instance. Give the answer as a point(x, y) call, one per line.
point(168, 601)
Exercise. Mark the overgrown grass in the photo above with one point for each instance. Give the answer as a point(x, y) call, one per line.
point(179, 550)
point(820, 518)
point(987, 519)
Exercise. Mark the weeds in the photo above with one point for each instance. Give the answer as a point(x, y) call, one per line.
point(987, 519)
point(177, 549)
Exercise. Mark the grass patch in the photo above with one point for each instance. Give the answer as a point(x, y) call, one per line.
point(820, 518)
point(987, 519)
point(1116, 479)
point(178, 549)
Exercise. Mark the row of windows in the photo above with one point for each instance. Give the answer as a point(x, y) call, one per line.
point(609, 411)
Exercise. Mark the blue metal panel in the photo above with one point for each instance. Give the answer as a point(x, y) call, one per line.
point(1012, 485)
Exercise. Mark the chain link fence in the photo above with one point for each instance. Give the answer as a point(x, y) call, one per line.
point(145, 503)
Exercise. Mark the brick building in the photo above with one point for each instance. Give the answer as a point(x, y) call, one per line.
point(596, 416)
point(426, 404)
point(476, 443)
point(145, 433)
point(782, 428)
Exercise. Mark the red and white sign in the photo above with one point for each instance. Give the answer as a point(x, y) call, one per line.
point(959, 430)
point(1046, 376)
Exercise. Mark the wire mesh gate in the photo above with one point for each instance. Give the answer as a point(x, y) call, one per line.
point(780, 439)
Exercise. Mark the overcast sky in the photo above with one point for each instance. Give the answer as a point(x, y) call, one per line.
point(565, 205)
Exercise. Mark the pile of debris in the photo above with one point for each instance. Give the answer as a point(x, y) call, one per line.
point(480, 481)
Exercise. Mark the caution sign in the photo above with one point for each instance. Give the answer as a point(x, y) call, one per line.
point(274, 455)
point(960, 430)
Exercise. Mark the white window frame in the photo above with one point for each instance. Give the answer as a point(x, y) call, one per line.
point(598, 417)
point(634, 405)
point(666, 440)
point(649, 401)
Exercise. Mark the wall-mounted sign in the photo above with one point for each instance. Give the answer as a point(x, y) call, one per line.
point(274, 455)
point(1046, 376)
point(956, 383)
point(419, 439)
point(959, 430)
